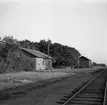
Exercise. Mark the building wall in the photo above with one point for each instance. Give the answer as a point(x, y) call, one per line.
point(48, 63)
point(84, 64)
point(39, 64)
point(26, 56)
point(42, 64)
point(90, 64)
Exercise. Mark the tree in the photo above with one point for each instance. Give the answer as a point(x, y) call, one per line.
point(7, 46)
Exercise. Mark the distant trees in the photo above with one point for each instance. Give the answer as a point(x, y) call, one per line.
point(94, 64)
point(98, 64)
point(62, 55)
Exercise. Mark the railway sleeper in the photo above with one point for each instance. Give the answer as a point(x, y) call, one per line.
point(86, 102)
point(88, 99)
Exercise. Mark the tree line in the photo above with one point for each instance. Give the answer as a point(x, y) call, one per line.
point(62, 55)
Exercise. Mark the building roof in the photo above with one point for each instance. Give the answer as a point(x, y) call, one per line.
point(83, 57)
point(36, 53)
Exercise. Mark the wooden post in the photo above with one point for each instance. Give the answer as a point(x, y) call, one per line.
point(48, 53)
point(78, 62)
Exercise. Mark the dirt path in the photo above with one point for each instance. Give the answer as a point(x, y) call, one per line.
point(49, 94)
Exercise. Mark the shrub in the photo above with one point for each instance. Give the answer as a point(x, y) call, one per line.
point(9, 61)
point(15, 64)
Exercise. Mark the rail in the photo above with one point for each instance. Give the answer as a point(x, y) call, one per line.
point(82, 89)
point(104, 102)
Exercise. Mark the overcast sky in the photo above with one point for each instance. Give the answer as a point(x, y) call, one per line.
point(77, 23)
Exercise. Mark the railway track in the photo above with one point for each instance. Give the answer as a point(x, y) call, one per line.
point(93, 93)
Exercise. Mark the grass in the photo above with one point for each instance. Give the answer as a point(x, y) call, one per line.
point(11, 80)
point(21, 89)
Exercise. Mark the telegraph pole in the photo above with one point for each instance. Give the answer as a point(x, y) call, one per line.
point(78, 62)
point(48, 51)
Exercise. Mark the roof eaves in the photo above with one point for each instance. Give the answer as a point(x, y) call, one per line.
point(37, 53)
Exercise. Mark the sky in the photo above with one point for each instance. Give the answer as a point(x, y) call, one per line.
point(76, 23)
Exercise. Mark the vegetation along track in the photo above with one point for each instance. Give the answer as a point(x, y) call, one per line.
point(92, 93)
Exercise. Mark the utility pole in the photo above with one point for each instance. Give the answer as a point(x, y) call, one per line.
point(78, 62)
point(48, 52)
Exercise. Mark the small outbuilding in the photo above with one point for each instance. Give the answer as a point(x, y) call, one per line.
point(40, 60)
point(84, 62)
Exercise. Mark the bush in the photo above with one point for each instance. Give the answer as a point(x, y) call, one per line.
point(9, 61)
point(15, 64)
